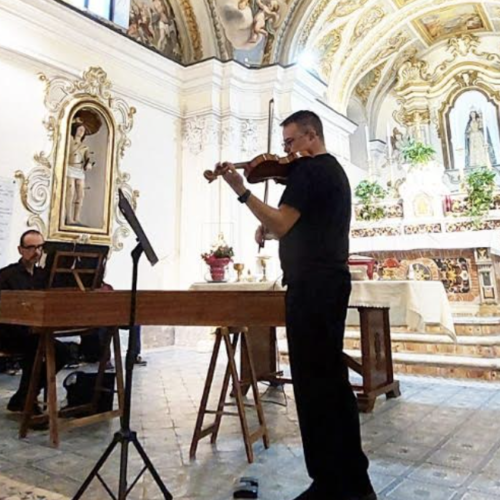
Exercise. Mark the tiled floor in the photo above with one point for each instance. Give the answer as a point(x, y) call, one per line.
point(439, 441)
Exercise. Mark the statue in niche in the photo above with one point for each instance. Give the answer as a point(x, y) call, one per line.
point(79, 163)
point(478, 146)
point(88, 139)
point(398, 140)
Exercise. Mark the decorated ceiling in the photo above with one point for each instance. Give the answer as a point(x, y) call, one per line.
point(355, 46)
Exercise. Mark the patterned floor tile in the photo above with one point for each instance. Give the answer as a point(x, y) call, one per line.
point(423, 445)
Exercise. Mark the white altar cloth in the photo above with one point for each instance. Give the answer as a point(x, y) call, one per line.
point(413, 304)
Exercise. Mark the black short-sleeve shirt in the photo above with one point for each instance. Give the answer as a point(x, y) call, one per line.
point(319, 241)
point(16, 277)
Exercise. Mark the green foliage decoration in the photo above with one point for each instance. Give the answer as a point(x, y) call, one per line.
point(417, 153)
point(480, 187)
point(370, 194)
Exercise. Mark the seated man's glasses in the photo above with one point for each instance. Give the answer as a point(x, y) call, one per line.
point(32, 248)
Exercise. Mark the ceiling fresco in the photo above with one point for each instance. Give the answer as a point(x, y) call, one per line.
point(353, 45)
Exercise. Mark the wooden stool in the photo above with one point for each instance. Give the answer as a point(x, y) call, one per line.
point(224, 334)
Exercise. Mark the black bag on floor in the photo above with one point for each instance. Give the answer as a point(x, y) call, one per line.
point(80, 390)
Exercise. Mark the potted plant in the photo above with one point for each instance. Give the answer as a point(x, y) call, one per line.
point(480, 187)
point(218, 259)
point(370, 193)
point(417, 153)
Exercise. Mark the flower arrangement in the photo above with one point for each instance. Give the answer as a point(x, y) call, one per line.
point(219, 251)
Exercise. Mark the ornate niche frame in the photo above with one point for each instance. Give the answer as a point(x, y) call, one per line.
point(473, 82)
point(88, 128)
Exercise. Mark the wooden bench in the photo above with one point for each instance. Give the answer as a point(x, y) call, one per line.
point(375, 365)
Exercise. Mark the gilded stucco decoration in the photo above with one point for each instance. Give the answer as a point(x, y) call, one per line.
point(366, 23)
point(345, 8)
point(368, 83)
point(411, 72)
point(391, 46)
point(463, 46)
point(326, 49)
point(193, 29)
point(305, 32)
point(88, 129)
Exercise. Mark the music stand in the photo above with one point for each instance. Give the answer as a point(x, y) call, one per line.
point(125, 435)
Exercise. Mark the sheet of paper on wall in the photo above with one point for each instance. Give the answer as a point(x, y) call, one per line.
point(6, 208)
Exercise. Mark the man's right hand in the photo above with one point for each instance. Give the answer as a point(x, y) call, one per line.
point(260, 235)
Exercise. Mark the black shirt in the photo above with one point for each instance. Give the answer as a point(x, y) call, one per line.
point(16, 277)
point(319, 241)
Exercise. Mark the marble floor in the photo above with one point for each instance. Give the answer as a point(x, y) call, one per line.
point(439, 441)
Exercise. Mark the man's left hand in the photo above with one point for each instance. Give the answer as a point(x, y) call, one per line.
point(233, 178)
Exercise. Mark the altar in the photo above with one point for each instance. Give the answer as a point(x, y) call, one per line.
point(413, 304)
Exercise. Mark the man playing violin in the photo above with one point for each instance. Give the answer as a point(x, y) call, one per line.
point(312, 225)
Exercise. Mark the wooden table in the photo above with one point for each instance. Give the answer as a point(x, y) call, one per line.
point(59, 309)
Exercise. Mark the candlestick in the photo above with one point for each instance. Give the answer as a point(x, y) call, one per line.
point(389, 144)
point(367, 135)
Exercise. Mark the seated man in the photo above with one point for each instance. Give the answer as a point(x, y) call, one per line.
point(26, 275)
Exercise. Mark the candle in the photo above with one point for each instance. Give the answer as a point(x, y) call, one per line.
point(367, 134)
point(485, 138)
point(389, 145)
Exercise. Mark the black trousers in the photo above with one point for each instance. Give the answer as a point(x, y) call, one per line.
point(316, 309)
point(18, 339)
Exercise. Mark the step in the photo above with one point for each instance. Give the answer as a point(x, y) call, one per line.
point(442, 365)
point(437, 360)
point(490, 340)
point(436, 344)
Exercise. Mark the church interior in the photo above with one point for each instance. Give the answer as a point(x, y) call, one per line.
point(113, 111)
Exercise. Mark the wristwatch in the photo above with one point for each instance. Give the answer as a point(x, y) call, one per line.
point(244, 197)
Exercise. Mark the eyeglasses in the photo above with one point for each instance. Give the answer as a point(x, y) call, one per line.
point(31, 248)
point(288, 142)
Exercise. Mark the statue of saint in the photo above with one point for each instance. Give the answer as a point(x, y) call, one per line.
point(397, 143)
point(478, 147)
point(79, 163)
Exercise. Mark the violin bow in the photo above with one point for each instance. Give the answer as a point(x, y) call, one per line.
point(269, 146)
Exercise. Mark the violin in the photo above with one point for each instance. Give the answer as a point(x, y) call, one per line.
point(262, 168)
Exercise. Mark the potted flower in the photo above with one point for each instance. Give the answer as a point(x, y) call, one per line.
point(218, 259)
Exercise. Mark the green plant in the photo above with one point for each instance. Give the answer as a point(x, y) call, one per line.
point(415, 152)
point(370, 193)
point(480, 186)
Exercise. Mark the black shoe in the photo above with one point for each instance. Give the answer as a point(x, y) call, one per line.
point(368, 496)
point(309, 494)
point(18, 407)
point(140, 361)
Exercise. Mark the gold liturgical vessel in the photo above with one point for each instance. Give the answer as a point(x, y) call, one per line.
point(238, 267)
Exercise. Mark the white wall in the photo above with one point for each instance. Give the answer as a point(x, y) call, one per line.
point(186, 120)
